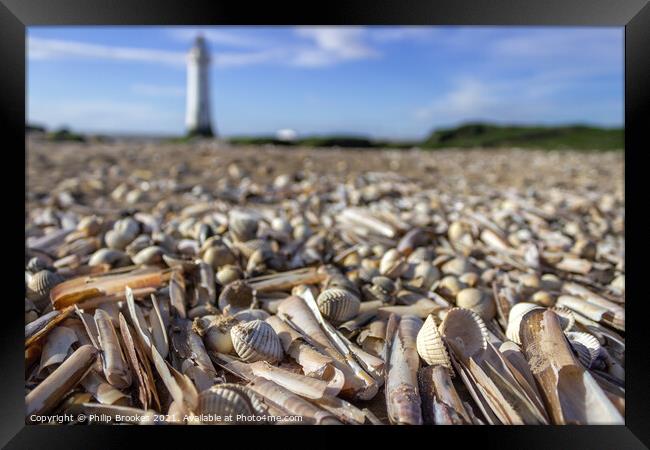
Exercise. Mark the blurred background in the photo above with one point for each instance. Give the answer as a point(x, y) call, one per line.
point(430, 87)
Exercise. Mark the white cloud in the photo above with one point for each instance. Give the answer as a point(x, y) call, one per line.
point(39, 48)
point(331, 45)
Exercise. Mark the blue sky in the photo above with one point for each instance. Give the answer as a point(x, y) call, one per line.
point(384, 82)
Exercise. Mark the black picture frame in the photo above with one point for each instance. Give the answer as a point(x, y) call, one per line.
point(634, 15)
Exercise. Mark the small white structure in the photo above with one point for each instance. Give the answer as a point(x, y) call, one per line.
point(197, 116)
point(286, 135)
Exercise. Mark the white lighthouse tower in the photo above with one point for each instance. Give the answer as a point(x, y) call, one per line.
point(197, 116)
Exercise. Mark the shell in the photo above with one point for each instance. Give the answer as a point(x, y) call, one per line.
point(425, 274)
point(456, 266)
point(236, 296)
point(224, 400)
point(566, 316)
point(430, 345)
point(217, 337)
point(464, 331)
point(123, 233)
point(40, 284)
point(115, 258)
point(248, 315)
point(36, 264)
point(514, 319)
point(139, 243)
point(477, 301)
point(149, 256)
point(218, 256)
point(256, 341)
point(450, 286)
point(469, 279)
point(384, 285)
point(587, 347)
point(338, 305)
point(242, 226)
point(543, 298)
point(229, 273)
point(392, 264)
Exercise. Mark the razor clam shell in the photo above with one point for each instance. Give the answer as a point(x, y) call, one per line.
point(291, 403)
point(465, 332)
point(115, 367)
point(256, 341)
point(57, 346)
point(338, 305)
point(430, 345)
point(402, 396)
point(44, 397)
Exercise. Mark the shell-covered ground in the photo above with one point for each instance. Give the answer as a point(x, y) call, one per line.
point(326, 281)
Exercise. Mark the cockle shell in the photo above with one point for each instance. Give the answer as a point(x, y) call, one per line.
point(477, 301)
point(36, 264)
point(464, 331)
point(217, 336)
point(392, 264)
point(384, 285)
point(229, 273)
point(242, 226)
point(514, 319)
point(139, 243)
point(248, 315)
point(457, 266)
point(338, 305)
point(430, 345)
point(256, 341)
point(224, 400)
point(40, 284)
point(470, 279)
point(566, 317)
point(587, 347)
point(149, 256)
point(450, 286)
point(424, 275)
point(114, 258)
point(236, 296)
point(218, 256)
point(123, 233)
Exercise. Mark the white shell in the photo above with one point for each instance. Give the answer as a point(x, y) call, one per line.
point(224, 400)
point(430, 345)
point(514, 319)
point(566, 317)
point(392, 264)
point(338, 305)
point(477, 301)
point(586, 346)
point(256, 341)
point(464, 331)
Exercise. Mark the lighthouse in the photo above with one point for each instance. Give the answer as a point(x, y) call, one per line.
point(197, 116)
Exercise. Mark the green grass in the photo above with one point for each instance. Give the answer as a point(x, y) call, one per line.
point(473, 135)
point(575, 137)
point(64, 134)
